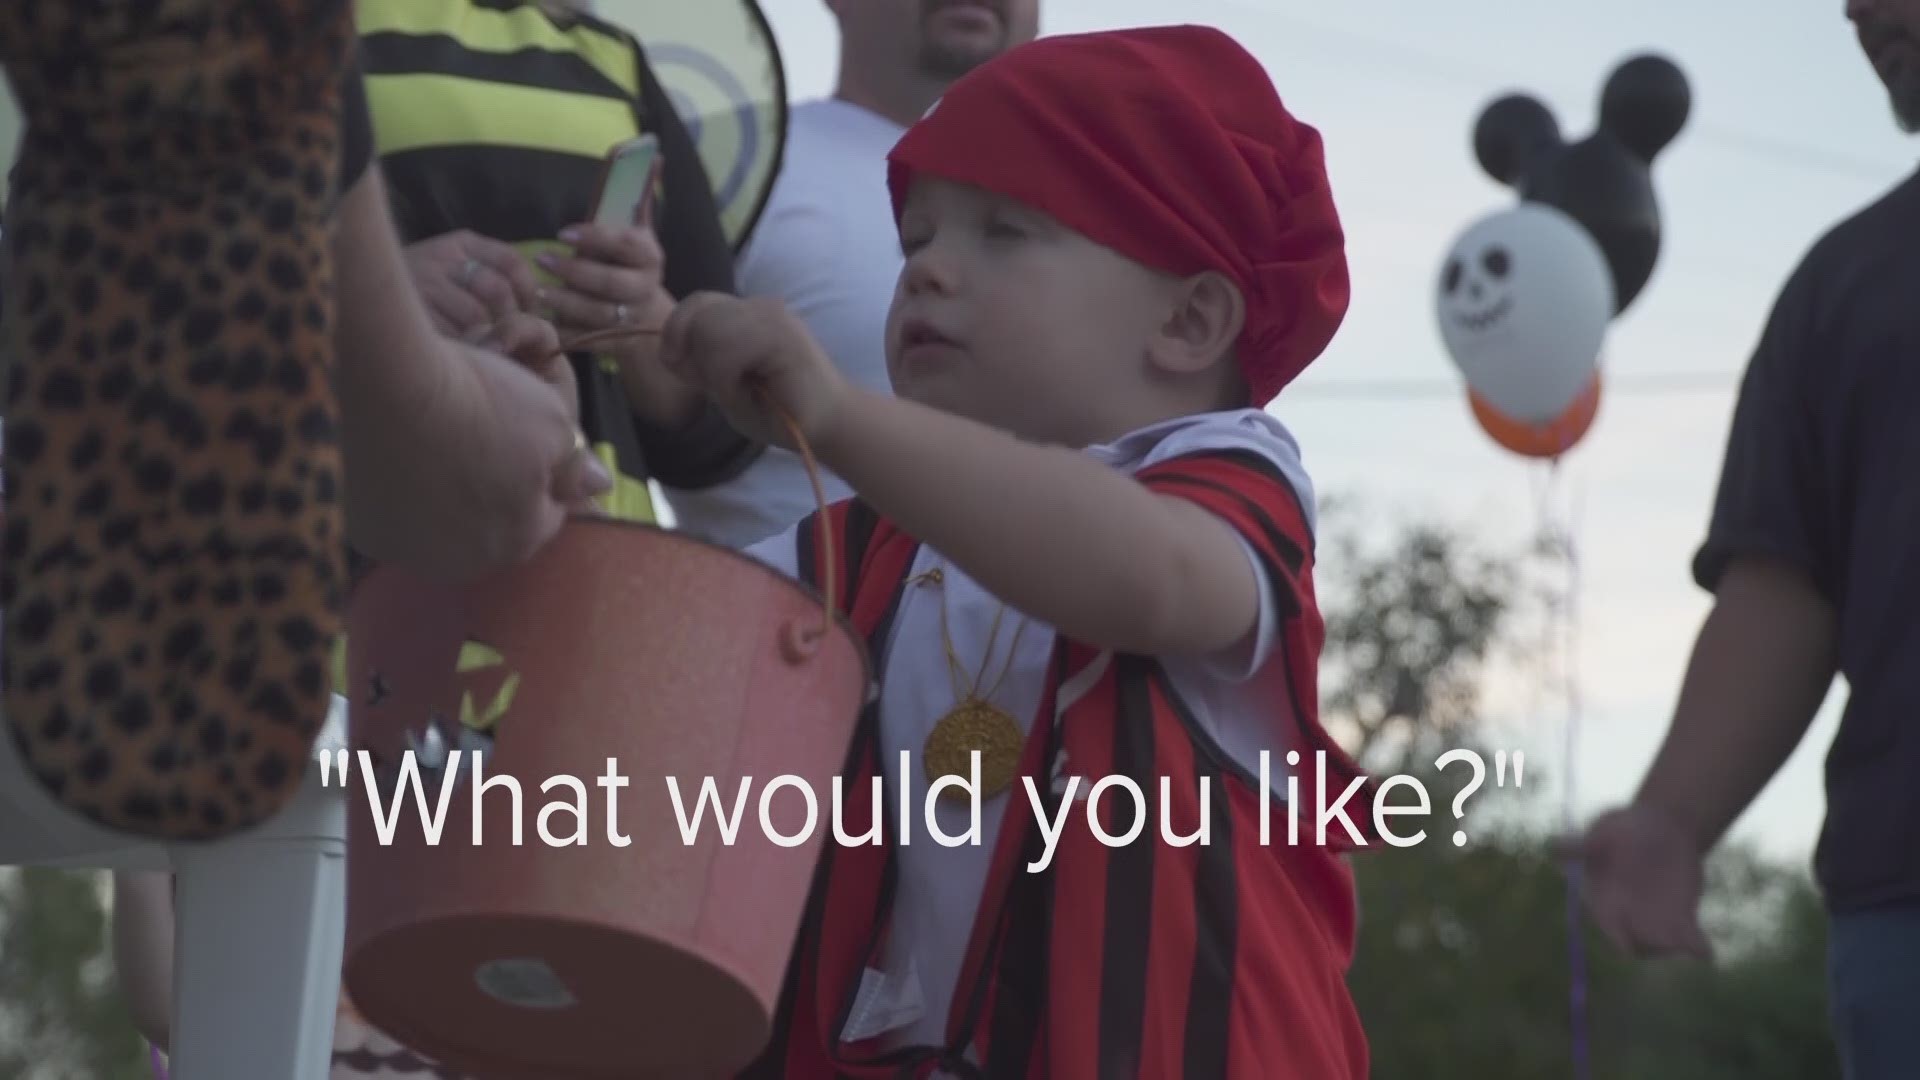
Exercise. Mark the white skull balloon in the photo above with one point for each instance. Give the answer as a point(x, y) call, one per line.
point(1524, 300)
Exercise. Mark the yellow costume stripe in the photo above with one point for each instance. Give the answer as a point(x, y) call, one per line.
point(482, 30)
point(630, 499)
point(340, 667)
point(418, 112)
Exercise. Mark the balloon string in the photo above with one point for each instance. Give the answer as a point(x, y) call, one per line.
point(832, 591)
point(1558, 531)
point(1576, 944)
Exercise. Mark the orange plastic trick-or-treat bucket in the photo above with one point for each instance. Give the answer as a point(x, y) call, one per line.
point(631, 952)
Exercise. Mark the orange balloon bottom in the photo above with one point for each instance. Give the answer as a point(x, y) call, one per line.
point(1546, 440)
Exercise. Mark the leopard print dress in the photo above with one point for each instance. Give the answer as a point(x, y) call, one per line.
point(173, 574)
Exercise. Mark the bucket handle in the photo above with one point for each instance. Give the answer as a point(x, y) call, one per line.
point(799, 643)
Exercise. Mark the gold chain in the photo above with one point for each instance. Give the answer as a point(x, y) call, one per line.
point(974, 725)
point(955, 669)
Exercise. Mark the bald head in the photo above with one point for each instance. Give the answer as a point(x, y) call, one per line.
point(898, 56)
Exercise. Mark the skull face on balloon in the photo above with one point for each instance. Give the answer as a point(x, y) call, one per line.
point(1523, 301)
point(1474, 288)
point(1525, 296)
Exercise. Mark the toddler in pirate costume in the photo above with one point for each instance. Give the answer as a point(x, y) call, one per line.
point(1082, 549)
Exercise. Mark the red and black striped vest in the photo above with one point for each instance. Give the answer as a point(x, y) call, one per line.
point(1147, 960)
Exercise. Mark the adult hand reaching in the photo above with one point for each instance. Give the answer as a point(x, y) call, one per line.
point(469, 281)
point(459, 460)
point(528, 443)
point(535, 343)
point(1643, 880)
point(479, 470)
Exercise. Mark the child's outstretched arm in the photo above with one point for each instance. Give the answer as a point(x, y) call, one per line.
point(1056, 534)
point(1052, 531)
point(143, 950)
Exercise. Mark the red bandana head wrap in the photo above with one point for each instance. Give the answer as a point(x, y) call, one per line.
point(1169, 146)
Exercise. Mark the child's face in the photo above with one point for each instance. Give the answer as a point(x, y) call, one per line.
point(1006, 316)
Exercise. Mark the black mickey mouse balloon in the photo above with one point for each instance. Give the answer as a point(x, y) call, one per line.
point(1605, 180)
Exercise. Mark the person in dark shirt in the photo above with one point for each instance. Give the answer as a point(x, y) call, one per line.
point(1811, 557)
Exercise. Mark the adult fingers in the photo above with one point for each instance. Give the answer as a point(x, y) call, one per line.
point(527, 338)
point(503, 266)
point(633, 246)
point(491, 290)
point(453, 311)
point(1612, 921)
point(1644, 925)
point(1673, 929)
point(574, 309)
point(580, 476)
point(607, 281)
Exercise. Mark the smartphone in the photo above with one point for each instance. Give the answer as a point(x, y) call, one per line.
point(627, 182)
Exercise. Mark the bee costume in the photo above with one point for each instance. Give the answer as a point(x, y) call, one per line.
point(495, 116)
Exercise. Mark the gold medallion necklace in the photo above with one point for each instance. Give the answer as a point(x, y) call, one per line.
point(975, 723)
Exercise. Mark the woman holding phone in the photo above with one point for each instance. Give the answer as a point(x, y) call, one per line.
point(493, 123)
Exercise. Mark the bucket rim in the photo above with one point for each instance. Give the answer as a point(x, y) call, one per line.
point(862, 654)
point(356, 959)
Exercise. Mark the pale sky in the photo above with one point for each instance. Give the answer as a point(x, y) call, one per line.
point(1789, 132)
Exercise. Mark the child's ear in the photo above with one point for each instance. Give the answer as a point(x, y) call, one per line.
point(1206, 319)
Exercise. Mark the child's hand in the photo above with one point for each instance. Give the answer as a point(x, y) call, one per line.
point(755, 360)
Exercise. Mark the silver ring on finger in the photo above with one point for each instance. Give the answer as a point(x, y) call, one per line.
point(466, 272)
point(620, 314)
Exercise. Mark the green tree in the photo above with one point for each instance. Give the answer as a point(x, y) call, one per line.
point(1413, 616)
point(61, 1016)
point(1462, 967)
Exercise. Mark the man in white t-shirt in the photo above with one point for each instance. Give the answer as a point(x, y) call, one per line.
point(826, 244)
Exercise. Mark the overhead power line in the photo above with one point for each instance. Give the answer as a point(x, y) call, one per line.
point(1411, 64)
point(1647, 384)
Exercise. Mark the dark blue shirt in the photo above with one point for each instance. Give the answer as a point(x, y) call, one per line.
point(1823, 471)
